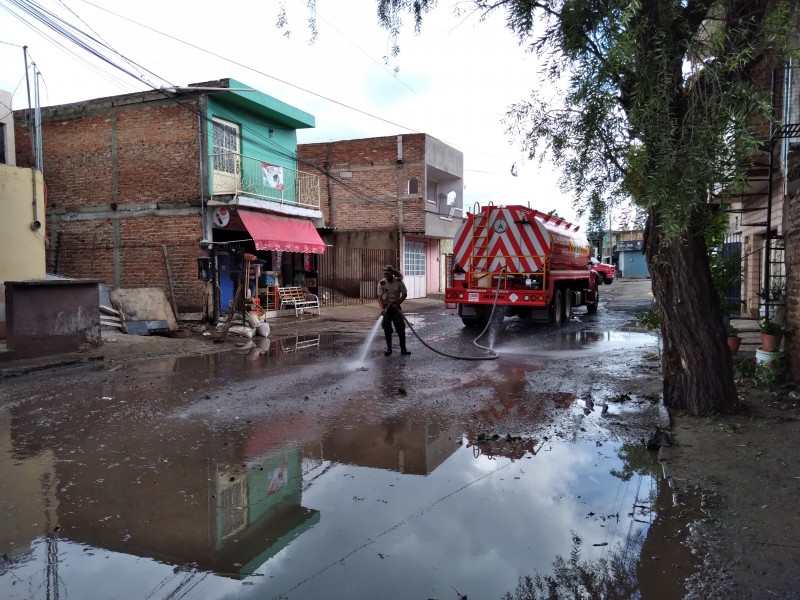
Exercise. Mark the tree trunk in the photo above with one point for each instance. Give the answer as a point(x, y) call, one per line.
point(696, 363)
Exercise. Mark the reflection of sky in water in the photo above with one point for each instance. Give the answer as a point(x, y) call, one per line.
point(577, 344)
point(475, 525)
point(471, 524)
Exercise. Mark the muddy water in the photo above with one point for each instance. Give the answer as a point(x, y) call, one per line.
point(280, 472)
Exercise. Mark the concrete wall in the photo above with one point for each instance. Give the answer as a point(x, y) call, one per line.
point(444, 158)
point(7, 144)
point(22, 248)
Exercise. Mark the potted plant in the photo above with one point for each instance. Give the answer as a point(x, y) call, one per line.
point(771, 334)
point(734, 341)
point(776, 290)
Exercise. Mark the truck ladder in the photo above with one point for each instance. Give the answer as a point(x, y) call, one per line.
point(479, 259)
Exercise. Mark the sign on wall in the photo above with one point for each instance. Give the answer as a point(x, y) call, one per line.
point(272, 176)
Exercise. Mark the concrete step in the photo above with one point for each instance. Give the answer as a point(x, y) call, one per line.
point(6, 354)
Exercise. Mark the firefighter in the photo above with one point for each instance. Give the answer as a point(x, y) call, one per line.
point(391, 294)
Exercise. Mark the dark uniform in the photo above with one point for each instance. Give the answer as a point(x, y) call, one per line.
point(391, 294)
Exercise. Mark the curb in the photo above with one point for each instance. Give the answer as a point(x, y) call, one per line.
point(45, 366)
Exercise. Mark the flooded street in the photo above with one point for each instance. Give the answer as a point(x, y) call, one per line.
point(315, 467)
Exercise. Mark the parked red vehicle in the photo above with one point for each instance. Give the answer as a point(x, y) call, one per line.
point(607, 270)
point(527, 263)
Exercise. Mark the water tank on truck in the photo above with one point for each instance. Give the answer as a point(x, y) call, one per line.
point(524, 262)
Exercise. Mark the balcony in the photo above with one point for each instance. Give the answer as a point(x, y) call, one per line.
point(237, 175)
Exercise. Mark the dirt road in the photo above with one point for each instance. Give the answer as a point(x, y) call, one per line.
point(734, 479)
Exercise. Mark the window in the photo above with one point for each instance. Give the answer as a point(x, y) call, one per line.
point(226, 146)
point(446, 203)
point(414, 259)
point(3, 159)
point(413, 186)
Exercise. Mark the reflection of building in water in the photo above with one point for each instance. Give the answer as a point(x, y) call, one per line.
point(28, 504)
point(258, 512)
point(401, 443)
point(172, 493)
point(299, 342)
point(507, 447)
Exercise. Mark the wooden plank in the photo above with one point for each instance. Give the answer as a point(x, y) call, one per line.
point(231, 311)
point(109, 311)
point(169, 280)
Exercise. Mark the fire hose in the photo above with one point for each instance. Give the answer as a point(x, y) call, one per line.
point(493, 355)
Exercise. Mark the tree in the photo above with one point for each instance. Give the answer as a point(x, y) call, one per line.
point(597, 227)
point(659, 102)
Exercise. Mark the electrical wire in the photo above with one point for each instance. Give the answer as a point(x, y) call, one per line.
point(254, 70)
point(238, 64)
point(79, 37)
point(257, 139)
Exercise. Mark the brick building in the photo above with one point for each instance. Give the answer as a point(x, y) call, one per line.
point(399, 193)
point(140, 186)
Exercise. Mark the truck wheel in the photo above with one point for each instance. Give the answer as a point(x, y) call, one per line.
point(558, 308)
point(607, 280)
point(592, 306)
point(567, 306)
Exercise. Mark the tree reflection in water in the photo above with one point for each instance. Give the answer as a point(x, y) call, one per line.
point(614, 577)
point(611, 578)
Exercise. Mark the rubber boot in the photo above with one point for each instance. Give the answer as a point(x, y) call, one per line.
point(402, 337)
point(388, 345)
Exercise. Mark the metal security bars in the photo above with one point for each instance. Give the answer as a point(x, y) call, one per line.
point(349, 276)
point(238, 175)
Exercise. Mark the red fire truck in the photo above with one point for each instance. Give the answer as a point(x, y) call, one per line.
point(528, 263)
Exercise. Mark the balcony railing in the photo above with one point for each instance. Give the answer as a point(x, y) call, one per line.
point(235, 174)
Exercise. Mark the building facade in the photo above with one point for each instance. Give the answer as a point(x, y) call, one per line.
point(141, 187)
point(22, 226)
point(765, 212)
point(399, 193)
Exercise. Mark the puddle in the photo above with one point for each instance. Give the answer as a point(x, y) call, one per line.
point(577, 344)
point(665, 563)
point(217, 477)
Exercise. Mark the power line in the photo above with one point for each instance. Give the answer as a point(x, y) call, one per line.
point(76, 36)
point(85, 41)
point(365, 53)
point(81, 39)
point(251, 68)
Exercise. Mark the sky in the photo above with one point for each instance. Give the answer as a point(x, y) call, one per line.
point(454, 81)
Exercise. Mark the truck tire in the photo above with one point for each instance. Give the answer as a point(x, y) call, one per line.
point(607, 280)
point(591, 307)
point(558, 308)
point(567, 305)
point(484, 312)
